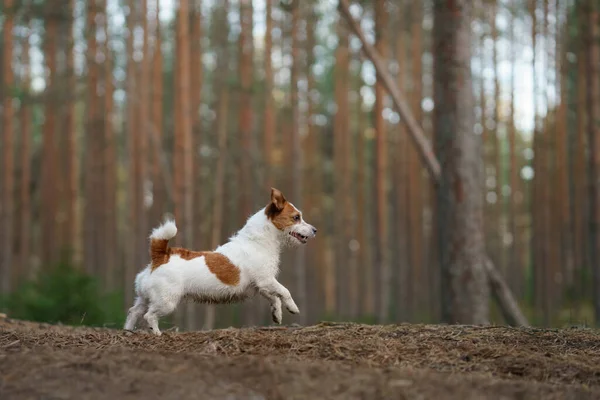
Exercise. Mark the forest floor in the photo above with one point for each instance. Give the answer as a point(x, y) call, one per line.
point(325, 361)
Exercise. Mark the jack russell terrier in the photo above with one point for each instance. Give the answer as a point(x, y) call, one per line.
point(235, 271)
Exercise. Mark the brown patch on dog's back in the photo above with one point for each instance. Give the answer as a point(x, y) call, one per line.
point(217, 263)
point(187, 254)
point(223, 268)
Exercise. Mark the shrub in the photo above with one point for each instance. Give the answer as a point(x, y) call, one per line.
point(66, 295)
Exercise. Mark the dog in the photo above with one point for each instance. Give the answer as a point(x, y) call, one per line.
point(246, 265)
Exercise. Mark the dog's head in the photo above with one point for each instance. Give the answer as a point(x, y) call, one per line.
point(288, 219)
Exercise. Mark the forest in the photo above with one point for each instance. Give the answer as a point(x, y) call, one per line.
point(447, 151)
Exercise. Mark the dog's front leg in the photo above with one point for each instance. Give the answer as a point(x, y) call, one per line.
point(285, 295)
point(275, 301)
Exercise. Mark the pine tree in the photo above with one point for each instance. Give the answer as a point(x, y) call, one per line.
point(465, 291)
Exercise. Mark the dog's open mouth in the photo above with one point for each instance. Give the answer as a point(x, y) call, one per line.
point(301, 238)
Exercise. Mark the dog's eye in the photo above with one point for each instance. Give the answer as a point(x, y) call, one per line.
point(296, 217)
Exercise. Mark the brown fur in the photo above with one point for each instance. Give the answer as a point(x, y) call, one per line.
point(217, 263)
point(280, 211)
point(159, 252)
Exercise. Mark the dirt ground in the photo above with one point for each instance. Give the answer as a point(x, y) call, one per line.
point(326, 361)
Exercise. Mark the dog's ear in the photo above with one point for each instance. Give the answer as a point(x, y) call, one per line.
point(277, 199)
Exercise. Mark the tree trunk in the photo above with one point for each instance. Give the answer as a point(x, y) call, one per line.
point(362, 211)
point(110, 163)
point(222, 107)
point(404, 302)
point(536, 212)
point(183, 140)
point(341, 173)
point(8, 139)
point(134, 198)
point(197, 80)
point(382, 269)
point(269, 111)
point(562, 163)
point(94, 203)
point(515, 268)
point(246, 121)
point(72, 152)
point(143, 109)
point(548, 269)
point(415, 179)
point(200, 222)
point(313, 174)
point(297, 162)
point(49, 161)
point(580, 210)
point(593, 106)
point(159, 188)
point(497, 231)
point(25, 217)
point(465, 289)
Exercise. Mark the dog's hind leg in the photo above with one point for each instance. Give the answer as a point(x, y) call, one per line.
point(157, 310)
point(134, 314)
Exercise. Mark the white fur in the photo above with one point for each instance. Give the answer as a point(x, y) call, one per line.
point(255, 250)
point(166, 231)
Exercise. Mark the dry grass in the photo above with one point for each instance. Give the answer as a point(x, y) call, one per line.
point(325, 361)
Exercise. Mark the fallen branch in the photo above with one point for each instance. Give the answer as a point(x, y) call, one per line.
point(414, 129)
point(504, 297)
point(508, 305)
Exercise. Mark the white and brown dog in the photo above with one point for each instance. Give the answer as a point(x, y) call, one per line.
point(244, 266)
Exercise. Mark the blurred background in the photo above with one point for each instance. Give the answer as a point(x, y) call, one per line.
point(115, 112)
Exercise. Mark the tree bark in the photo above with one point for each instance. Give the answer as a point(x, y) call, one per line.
point(8, 138)
point(222, 107)
point(49, 193)
point(25, 217)
point(246, 131)
point(562, 148)
point(197, 81)
point(159, 185)
point(183, 140)
point(497, 248)
point(143, 110)
point(465, 294)
point(515, 268)
point(297, 161)
point(110, 163)
point(593, 106)
point(415, 179)
point(341, 170)
point(580, 210)
point(382, 270)
point(313, 172)
point(405, 303)
point(72, 152)
point(132, 128)
point(245, 119)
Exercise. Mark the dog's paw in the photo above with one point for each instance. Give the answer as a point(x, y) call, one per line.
point(276, 315)
point(293, 309)
point(156, 332)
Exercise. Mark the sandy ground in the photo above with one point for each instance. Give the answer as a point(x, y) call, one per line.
point(326, 361)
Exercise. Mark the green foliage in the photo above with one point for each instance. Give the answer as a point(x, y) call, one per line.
point(66, 295)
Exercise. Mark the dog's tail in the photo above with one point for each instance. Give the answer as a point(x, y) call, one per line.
point(159, 243)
